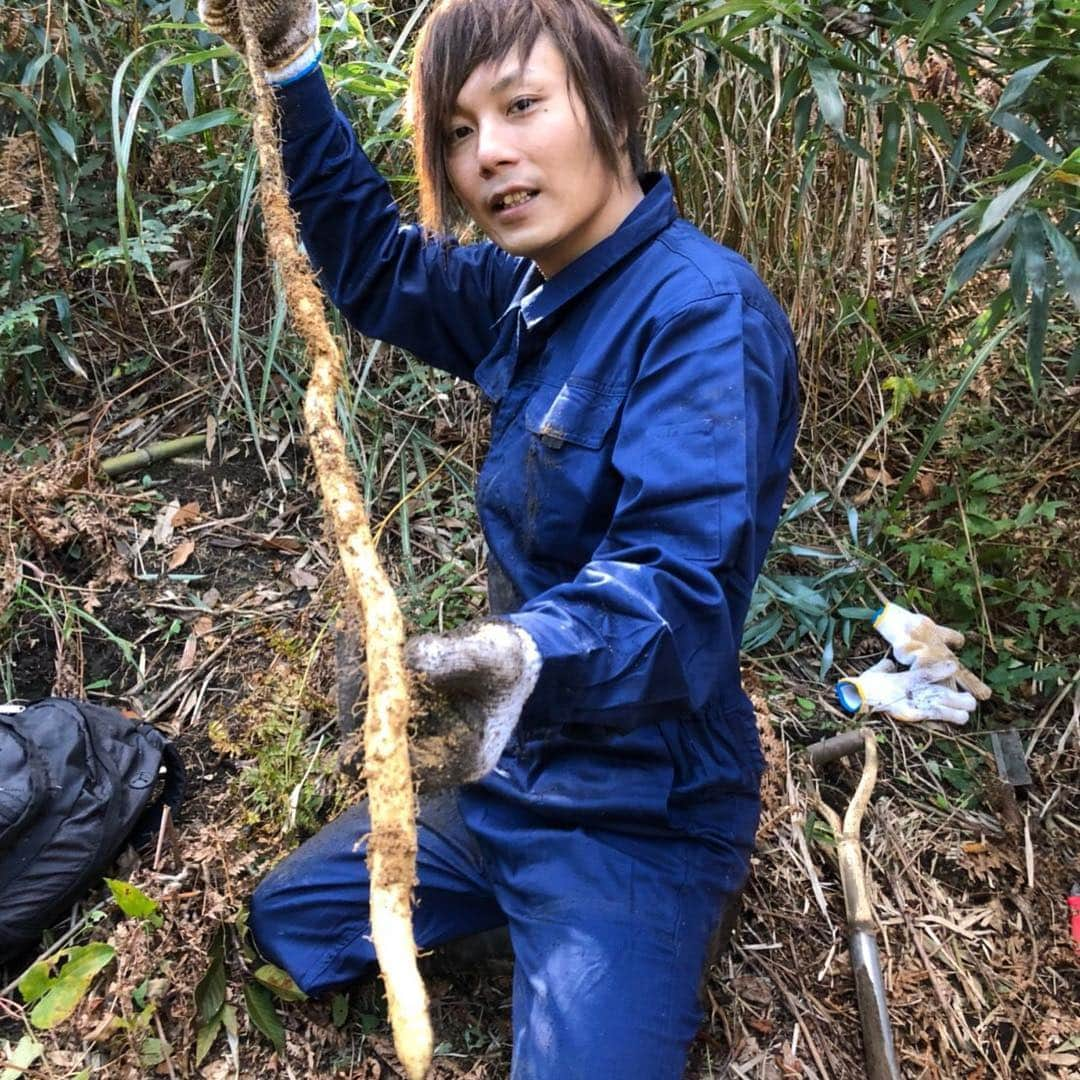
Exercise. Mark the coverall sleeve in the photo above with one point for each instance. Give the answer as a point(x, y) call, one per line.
point(391, 281)
point(652, 622)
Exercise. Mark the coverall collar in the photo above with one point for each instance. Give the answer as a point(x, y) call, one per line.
point(538, 299)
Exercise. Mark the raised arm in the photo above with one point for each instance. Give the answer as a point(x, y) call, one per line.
point(438, 300)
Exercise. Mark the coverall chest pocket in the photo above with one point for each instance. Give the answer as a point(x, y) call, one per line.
point(570, 486)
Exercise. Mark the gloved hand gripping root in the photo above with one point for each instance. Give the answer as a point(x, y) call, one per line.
point(392, 843)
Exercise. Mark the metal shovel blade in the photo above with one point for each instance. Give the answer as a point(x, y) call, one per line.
point(1009, 755)
point(878, 1048)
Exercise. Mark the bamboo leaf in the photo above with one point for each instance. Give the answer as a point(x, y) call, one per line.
point(1068, 262)
point(802, 505)
point(942, 227)
point(747, 7)
point(1005, 200)
point(959, 390)
point(1017, 87)
point(890, 146)
point(1032, 242)
point(978, 252)
point(63, 139)
point(825, 80)
point(935, 119)
point(1038, 317)
point(1027, 135)
point(1072, 369)
point(203, 122)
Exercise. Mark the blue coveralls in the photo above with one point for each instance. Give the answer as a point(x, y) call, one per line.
point(644, 413)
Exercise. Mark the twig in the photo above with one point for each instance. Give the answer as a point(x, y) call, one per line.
point(1051, 710)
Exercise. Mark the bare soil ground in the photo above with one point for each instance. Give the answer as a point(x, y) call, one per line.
point(207, 593)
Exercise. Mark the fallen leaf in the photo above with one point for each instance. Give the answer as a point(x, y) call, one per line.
point(282, 543)
point(211, 598)
point(202, 626)
point(163, 523)
point(211, 434)
point(303, 579)
point(187, 658)
point(186, 515)
point(882, 476)
point(181, 554)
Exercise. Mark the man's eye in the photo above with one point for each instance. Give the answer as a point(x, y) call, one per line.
point(458, 133)
point(522, 104)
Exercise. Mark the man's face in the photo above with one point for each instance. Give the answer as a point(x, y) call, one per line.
point(521, 159)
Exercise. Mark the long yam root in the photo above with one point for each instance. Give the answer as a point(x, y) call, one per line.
point(392, 804)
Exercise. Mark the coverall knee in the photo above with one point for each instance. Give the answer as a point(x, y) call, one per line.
point(611, 931)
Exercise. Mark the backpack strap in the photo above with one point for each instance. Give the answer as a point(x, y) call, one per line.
point(171, 795)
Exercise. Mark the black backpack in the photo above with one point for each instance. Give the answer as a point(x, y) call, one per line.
point(77, 782)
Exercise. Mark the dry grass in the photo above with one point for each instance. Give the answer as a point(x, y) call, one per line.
point(970, 906)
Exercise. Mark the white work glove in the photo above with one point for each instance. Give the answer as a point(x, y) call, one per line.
point(912, 695)
point(288, 31)
point(485, 671)
point(919, 641)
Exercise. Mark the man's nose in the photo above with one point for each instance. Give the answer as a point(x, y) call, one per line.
point(495, 148)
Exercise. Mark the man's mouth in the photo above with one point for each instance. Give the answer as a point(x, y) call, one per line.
point(512, 200)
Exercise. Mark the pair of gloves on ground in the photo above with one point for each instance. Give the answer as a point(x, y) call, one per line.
point(932, 685)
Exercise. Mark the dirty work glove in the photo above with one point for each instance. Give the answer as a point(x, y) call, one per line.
point(287, 30)
point(919, 641)
point(907, 695)
point(485, 671)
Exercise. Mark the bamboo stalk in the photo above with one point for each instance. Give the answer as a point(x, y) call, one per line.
point(392, 845)
point(147, 455)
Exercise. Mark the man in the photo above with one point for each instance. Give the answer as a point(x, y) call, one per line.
point(643, 388)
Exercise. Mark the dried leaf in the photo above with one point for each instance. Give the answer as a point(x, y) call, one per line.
point(187, 658)
point(186, 515)
point(163, 523)
point(20, 1058)
point(282, 543)
point(202, 626)
point(303, 579)
point(882, 476)
point(181, 554)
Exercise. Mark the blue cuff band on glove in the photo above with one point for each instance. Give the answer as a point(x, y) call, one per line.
point(303, 65)
point(849, 697)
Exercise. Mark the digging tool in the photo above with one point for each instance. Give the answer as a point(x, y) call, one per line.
point(878, 1048)
point(1009, 755)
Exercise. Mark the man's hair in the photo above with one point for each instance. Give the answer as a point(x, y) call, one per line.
point(460, 35)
